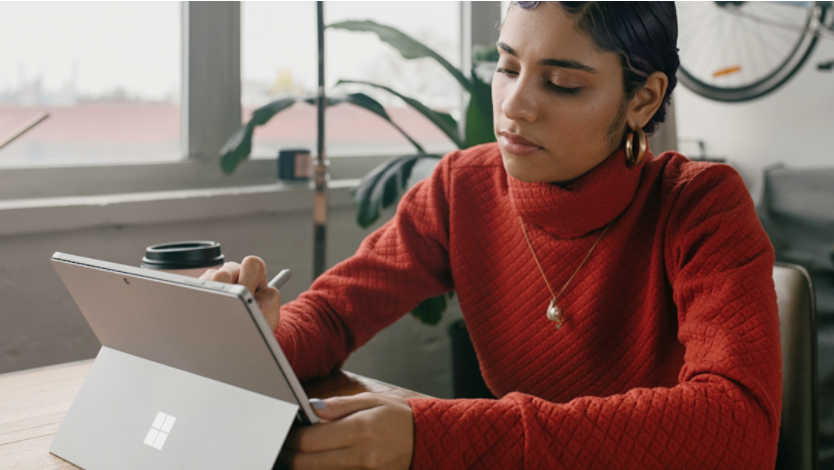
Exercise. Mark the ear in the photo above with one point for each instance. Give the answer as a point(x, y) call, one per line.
point(647, 100)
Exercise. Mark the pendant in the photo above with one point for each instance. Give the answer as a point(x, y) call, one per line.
point(554, 314)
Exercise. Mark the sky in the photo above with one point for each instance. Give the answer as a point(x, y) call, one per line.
point(136, 45)
point(133, 45)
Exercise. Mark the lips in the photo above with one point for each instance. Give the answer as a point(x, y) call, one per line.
point(517, 144)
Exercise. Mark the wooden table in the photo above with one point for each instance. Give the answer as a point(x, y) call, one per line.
point(33, 403)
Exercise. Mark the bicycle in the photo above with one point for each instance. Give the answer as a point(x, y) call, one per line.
point(737, 51)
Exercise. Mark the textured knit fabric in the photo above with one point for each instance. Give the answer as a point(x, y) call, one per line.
point(669, 356)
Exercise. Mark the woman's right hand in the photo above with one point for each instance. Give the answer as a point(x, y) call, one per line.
point(251, 273)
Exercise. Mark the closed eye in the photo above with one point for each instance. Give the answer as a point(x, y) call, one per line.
point(562, 90)
point(558, 89)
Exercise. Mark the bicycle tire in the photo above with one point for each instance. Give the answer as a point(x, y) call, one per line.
point(772, 81)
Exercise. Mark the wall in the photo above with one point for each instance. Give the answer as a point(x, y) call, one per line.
point(40, 324)
point(792, 125)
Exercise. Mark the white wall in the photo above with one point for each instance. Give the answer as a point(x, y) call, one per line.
point(792, 125)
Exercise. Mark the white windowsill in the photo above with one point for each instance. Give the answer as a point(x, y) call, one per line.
point(194, 174)
point(27, 216)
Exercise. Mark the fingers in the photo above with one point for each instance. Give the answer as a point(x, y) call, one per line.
point(344, 427)
point(269, 300)
point(252, 274)
point(377, 431)
point(228, 273)
point(324, 436)
point(339, 407)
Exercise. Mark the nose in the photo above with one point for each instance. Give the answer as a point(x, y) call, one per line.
point(520, 102)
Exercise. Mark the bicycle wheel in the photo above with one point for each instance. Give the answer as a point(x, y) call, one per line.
point(738, 51)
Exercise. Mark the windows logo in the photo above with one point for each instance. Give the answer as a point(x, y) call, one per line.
point(159, 430)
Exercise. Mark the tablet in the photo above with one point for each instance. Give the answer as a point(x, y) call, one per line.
point(178, 354)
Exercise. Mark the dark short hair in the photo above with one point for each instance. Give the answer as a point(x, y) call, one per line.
point(643, 34)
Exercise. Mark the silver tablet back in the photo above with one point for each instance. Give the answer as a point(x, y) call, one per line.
point(188, 366)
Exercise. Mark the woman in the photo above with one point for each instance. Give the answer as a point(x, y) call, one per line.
point(621, 303)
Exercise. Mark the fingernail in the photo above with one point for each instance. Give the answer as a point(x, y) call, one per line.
point(318, 404)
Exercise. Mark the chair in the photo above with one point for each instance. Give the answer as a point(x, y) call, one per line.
point(798, 436)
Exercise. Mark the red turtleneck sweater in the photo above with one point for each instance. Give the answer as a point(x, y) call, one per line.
point(669, 356)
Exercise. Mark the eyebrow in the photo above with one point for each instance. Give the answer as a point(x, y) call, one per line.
point(564, 63)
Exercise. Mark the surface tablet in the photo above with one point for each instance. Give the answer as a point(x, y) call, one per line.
point(195, 355)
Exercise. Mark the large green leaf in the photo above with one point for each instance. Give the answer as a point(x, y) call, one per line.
point(479, 126)
point(444, 121)
point(382, 187)
point(367, 211)
point(430, 311)
point(239, 145)
point(364, 101)
point(407, 46)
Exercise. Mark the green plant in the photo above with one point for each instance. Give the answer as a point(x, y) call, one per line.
point(384, 185)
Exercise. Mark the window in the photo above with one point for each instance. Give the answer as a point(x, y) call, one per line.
point(108, 74)
point(279, 60)
point(143, 96)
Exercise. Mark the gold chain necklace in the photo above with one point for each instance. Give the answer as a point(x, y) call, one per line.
point(554, 313)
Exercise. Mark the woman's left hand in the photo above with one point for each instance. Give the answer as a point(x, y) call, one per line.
point(368, 431)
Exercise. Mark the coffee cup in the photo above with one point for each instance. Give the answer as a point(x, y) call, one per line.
point(188, 258)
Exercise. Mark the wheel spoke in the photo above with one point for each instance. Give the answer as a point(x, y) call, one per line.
point(725, 50)
point(707, 53)
point(733, 52)
point(755, 57)
point(778, 24)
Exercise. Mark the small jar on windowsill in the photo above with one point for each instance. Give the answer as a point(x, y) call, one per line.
point(295, 166)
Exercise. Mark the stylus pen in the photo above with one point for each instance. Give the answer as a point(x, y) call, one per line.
point(281, 279)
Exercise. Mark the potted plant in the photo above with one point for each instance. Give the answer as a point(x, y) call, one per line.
point(384, 185)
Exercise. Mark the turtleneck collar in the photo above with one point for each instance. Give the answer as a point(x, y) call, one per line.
point(583, 205)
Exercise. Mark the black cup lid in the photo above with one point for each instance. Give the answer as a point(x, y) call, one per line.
point(183, 255)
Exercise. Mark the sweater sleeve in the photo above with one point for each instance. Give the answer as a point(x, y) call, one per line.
point(395, 268)
point(723, 414)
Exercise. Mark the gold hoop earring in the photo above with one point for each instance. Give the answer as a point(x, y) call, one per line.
point(629, 147)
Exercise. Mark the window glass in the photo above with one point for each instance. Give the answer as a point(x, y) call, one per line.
point(505, 5)
point(108, 75)
point(279, 60)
